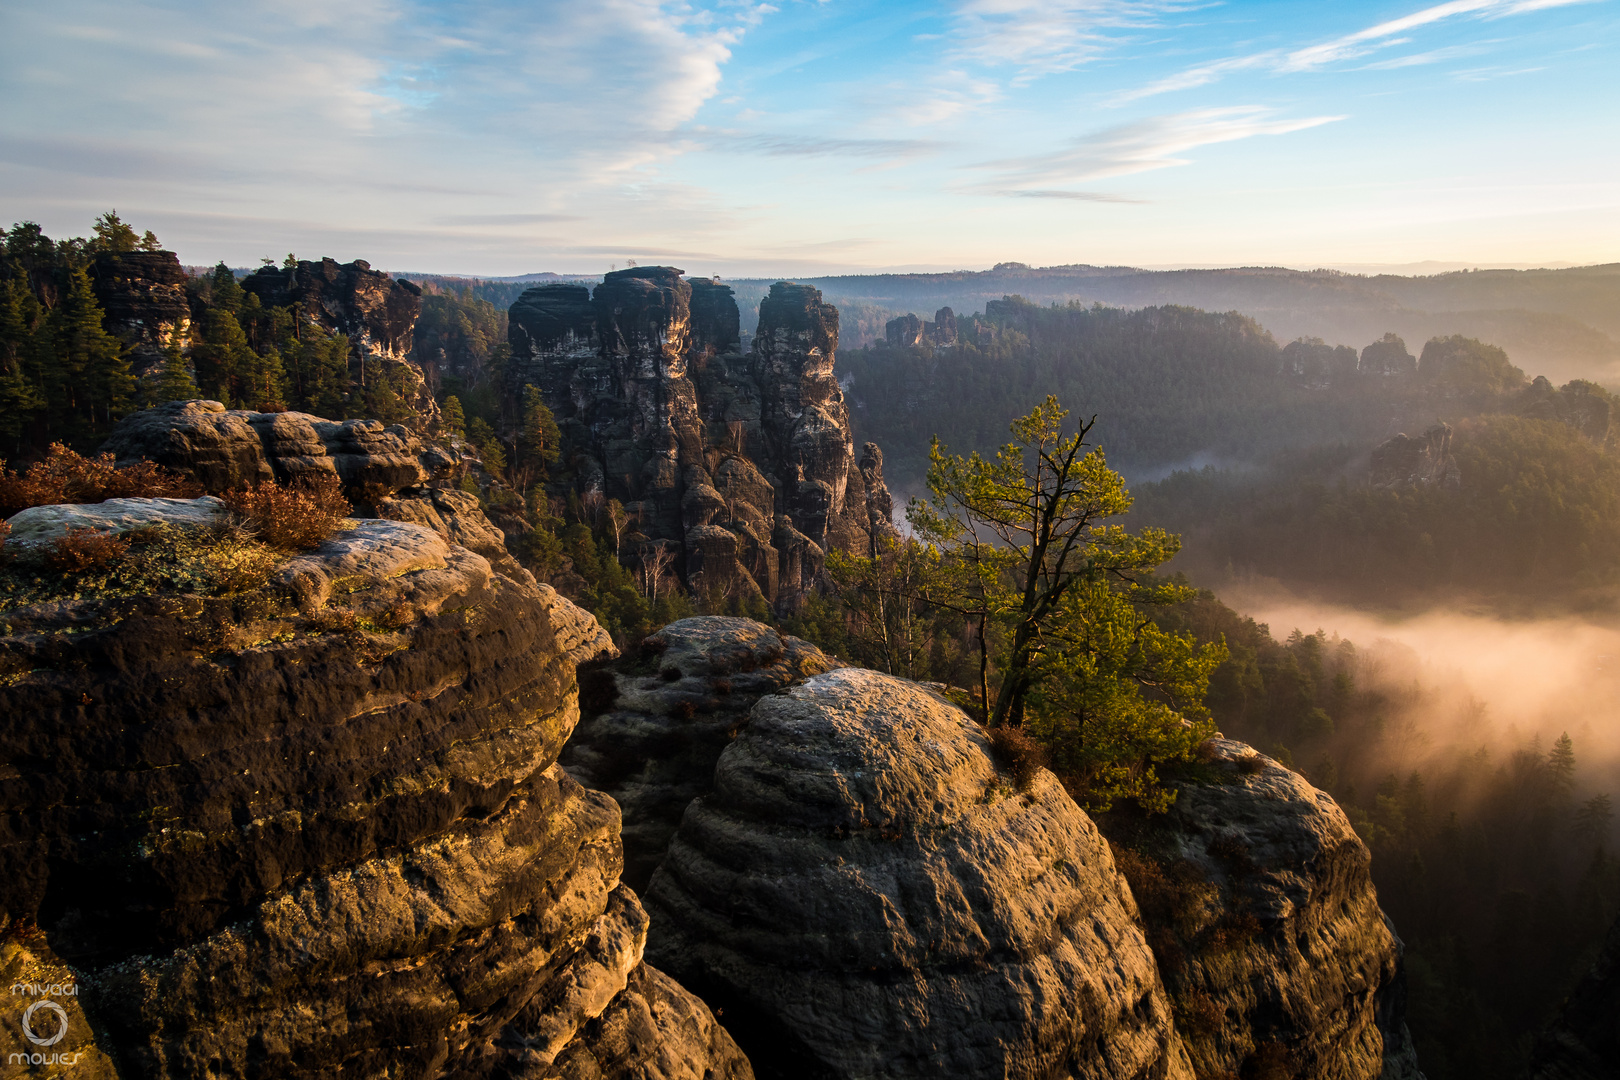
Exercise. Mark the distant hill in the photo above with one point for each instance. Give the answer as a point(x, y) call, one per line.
point(1564, 323)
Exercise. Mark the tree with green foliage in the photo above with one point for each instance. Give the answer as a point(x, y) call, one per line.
point(85, 368)
point(1081, 665)
point(451, 419)
point(174, 383)
point(482, 436)
point(225, 363)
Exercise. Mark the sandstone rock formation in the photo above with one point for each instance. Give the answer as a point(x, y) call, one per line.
point(1258, 902)
point(1314, 363)
point(231, 448)
point(1584, 1042)
point(317, 827)
point(908, 330)
point(654, 725)
point(376, 312)
point(143, 301)
point(866, 894)
point(1426, 461)
point(742, 465)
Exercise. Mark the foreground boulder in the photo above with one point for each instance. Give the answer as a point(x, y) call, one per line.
point(314, 825)
point(1258, 901)
point(865, 893)
point(656, 722)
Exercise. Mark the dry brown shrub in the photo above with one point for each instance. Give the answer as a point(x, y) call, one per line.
point(293, 518)
point(329, 619)
point(1207, 751)
point(68, 477)
point(1251, 764)
point(1023, 755)
point(84, 549)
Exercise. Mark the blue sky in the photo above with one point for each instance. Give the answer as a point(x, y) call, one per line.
point(797, 138)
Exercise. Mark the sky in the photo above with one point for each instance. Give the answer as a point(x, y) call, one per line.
point(748, 138)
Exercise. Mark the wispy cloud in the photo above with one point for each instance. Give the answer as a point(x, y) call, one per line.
point(1039, 37)
point(1072, 196)
point(1350, 46)
point(817, 146)
point(1140, 146)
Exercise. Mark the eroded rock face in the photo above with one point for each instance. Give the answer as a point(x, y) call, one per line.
point(231, 448)
point(376, 312)
point(39, 526)
point(867, 894)
point(1258, 902)
point(743, 466)
point(143, 300)
point(655, 724)
point(1426, 461)
point(319, 828)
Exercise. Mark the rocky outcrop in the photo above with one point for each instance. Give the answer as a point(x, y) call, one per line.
point(1584, 1042)
point(143, 301)
point(742, 465)
point(654, 724)
point(866, 893)
point(908, 331)
point(1426, 461)
point(317, 827)
point(39, 526)
point(375, 311)
point(231, 448)
point(1258, 902)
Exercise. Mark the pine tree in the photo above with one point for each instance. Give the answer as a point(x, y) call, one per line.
point(175, 382)
point(222, 356)
point(452, 421)
point(226, 292)
point(113, 235)
point(88, 372)
point(542, 441)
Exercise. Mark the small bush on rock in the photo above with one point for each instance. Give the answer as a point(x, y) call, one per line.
point(1023, 755)
point(67, 477)
point(85, 549)
point(293, 518)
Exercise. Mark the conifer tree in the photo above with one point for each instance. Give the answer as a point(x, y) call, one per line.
point(85, 368)
point(452, 421)
point(175, 382)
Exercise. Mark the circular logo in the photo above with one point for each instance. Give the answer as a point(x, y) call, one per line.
point(28, 1030)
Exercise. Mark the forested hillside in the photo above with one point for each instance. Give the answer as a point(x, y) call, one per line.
point(1562, 323)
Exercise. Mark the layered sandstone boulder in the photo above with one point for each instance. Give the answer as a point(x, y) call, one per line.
point(866, 893)
point(314, 825)
point(742, 465)
point(1259, 904)
point(655, 723)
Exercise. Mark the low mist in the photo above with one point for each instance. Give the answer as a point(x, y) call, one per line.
point(1454, 683)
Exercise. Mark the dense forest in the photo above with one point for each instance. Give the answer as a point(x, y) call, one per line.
point(65, 378)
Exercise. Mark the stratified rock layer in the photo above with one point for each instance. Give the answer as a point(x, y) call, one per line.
point(1259, 904)
point(655, 724)
point(318, 828)
point(866, 894)
point(742, 466)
